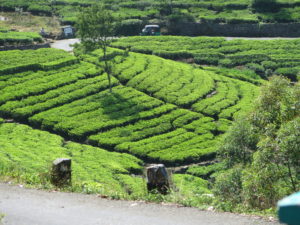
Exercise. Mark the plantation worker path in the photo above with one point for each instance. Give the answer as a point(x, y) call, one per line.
point(34, 207)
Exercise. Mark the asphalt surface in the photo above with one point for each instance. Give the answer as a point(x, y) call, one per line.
point(65, 44)
point(35, 207)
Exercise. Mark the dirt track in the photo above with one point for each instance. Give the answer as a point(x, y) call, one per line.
point(34, 207)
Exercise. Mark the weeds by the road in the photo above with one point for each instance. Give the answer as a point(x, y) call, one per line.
point(29, 23)
point(1, 218)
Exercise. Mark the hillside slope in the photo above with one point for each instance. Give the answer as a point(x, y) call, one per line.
point(160, 111)
point(181, 123)
point(134, 13)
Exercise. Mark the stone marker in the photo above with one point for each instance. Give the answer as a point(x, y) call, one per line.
point(61, 172)
point(158, 179)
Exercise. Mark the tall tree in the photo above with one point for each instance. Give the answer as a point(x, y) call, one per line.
point(262, 150)
point(96, 26)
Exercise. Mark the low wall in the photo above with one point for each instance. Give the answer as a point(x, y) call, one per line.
point(25, 47)
point(237, 30)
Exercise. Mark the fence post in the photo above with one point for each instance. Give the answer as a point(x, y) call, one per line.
point(61, 172)
point(157, 178)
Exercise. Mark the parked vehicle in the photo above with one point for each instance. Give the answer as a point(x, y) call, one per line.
point(151, 30)
point(65, 33)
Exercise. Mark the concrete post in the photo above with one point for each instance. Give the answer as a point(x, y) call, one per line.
point(157, 178)
point(61, 172)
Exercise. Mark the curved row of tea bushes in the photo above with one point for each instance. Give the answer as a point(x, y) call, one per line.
point(41, 82)
point(54, 98)
point(142, 117)
point(262, 56)
point(12, 37)
point(32, 151)
point(17, 61)
point(94, 170)
point(181, 84)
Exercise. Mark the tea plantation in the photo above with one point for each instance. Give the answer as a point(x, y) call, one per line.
point(159, 111)
point(12, 37)
point(133, 13)
point(28, 157)
point(264, 57)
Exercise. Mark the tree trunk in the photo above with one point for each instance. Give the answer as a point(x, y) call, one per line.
point(107, 69)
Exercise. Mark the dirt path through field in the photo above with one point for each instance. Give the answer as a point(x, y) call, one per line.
point(34, 207)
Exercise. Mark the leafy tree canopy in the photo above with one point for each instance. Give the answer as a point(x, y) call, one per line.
point(96, 27)
point(264, 148)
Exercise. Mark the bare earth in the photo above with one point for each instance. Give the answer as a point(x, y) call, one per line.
point(35, 207)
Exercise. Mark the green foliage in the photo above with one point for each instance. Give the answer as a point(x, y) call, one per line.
point(30, 155)
point(206, 170)
point(239, 143)
point(226, 63)
point(73, 101)
point(19, 61)
point(10, 38)
point(28, 160)
point(190, 185)
point(265, 5)
point(129, 27)
point(233, 11)
point(290, 73)
point(257, 68)
point(264, 57)
point(288, 143)
point(228, 185)
point(95, 27)
point(265, 147)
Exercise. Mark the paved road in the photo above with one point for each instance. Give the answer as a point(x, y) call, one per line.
point(65, 44)
point(34, 207)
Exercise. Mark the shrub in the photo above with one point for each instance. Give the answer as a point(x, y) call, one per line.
point(259, 69)
point(290, 73)
point(269, 65)
point(265, 5)
point(239, 143)
point(228, 185)
point(129, 27)
point(226, 63)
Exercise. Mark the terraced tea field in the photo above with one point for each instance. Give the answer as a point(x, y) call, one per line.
point(159, 111)
point(12, 37)
point(265, 57)
point(135, 12)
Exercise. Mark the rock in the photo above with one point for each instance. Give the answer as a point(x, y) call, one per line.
point(158, 179)
point(61, 172)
